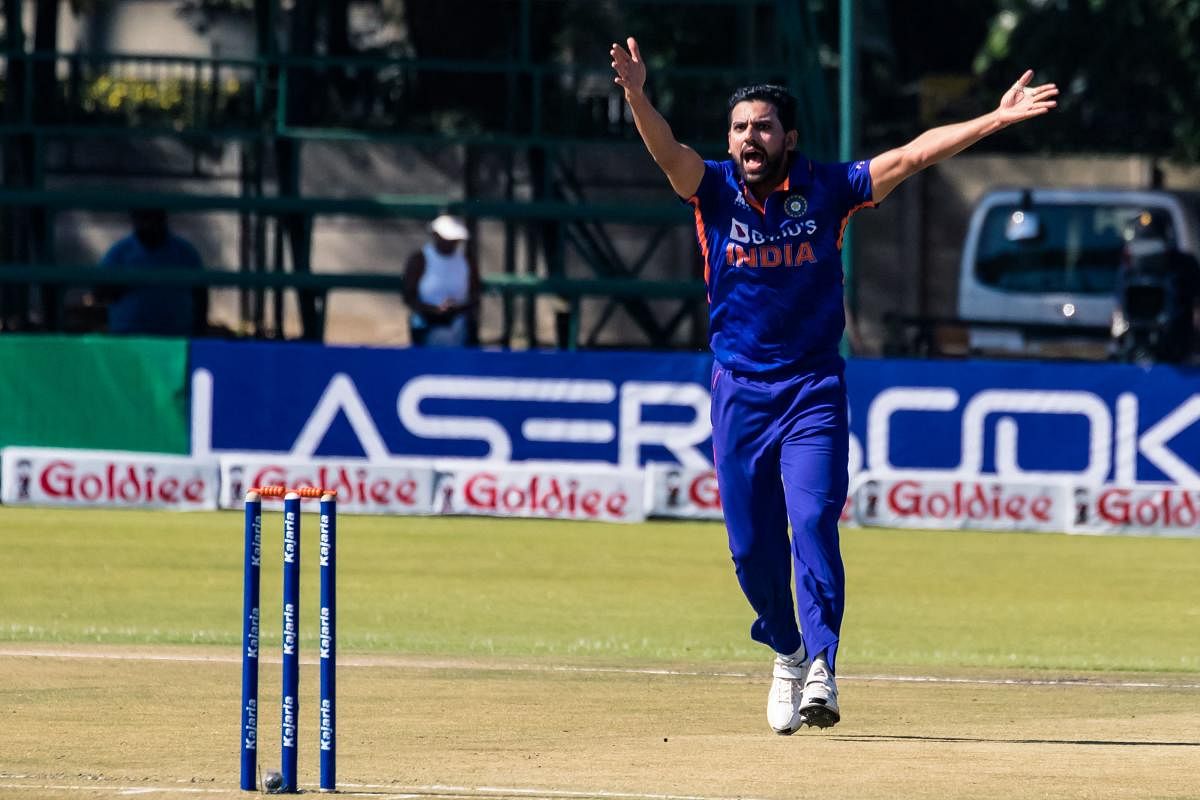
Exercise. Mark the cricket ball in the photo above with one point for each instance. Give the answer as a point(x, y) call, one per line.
point(272, 783)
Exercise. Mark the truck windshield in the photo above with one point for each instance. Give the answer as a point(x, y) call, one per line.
point(1077, 249)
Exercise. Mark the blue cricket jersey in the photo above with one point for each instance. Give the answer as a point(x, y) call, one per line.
point(774, 271)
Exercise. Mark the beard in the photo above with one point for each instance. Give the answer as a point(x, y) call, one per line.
point(769, 168)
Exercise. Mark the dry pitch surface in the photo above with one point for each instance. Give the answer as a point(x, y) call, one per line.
point(114, 721)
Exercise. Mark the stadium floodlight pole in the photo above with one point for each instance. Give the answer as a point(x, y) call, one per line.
point(847, 130)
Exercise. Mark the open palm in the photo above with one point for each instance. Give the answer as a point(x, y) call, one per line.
point(631, 70)
point(1022, 101)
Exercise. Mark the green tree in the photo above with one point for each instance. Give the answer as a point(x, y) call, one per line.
point(1129, 71)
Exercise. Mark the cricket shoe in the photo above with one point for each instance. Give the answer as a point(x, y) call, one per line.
point(819, 700)
point(787, 690)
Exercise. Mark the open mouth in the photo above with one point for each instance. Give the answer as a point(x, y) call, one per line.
point(753, 159)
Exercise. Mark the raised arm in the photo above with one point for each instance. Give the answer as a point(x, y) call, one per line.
point(682, 165)
point(1019, 103)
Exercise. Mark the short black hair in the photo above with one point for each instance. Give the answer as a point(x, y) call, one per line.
point(778, 96)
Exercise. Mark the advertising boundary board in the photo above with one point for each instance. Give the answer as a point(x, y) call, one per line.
point(976, 420)
point(50, 476)
point(561, 490)
point(363, 487)
point(592, 409)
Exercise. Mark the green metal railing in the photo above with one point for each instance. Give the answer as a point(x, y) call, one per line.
point(507, 286)
point(396, 206)
point(106, 94)
point(537, 111)
point(524, 98)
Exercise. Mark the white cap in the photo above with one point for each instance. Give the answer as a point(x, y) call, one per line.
point(450, 228)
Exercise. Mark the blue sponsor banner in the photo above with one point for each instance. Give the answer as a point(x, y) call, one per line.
point(310, 400)
point(1023, 420)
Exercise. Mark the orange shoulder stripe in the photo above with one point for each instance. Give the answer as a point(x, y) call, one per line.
point(846, 219)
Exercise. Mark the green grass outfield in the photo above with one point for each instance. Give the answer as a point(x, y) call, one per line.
point(584, 592)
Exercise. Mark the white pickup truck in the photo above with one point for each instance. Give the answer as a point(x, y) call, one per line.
point(1048, 260)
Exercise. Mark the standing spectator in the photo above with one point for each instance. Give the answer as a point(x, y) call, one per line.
point(441, 287)
point(154, 310)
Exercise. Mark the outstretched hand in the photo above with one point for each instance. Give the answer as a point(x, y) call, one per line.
point(1022, 102)
point(631, 70)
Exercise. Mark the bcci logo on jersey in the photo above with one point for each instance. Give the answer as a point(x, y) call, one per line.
point(795, 206)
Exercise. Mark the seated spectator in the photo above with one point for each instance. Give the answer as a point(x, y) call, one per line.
point(154, 310)
point(441, 287)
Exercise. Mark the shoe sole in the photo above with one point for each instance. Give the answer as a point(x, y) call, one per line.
point(819, 717)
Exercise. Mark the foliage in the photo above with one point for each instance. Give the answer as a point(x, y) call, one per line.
point(175, 102)
point(1128, 70)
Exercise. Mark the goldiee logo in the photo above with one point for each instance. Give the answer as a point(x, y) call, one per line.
point(488, 491)
point(1164, 508)
point(362, 488)
point(359, 485)
point(704, 492)
point(994, 502)
point(118, 483)
point(67, 477)
point(615, 496)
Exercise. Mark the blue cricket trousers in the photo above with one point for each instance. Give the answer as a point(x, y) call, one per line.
point(781, 451)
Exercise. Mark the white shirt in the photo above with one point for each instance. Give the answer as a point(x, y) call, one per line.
point(445, 278)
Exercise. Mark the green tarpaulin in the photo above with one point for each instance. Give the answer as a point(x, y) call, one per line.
point(95, 392)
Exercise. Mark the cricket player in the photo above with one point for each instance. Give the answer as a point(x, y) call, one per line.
point(770, 224)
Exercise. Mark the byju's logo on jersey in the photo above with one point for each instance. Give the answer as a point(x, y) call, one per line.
point(742, 233)
point(795, 206)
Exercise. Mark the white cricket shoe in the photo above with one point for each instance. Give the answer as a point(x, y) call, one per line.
point(787, 690)
point(819, 700)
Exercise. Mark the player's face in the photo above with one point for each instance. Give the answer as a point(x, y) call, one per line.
point(758, 142)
